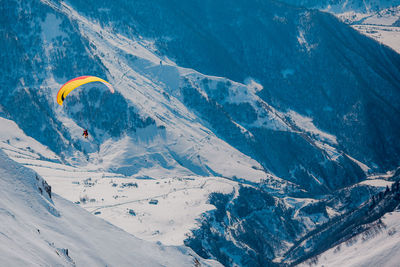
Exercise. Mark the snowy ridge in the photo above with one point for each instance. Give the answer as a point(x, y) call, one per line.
point(381, 25)
point(135, 80)
point(111, 196)
point(38, 230)
point(345, 228)
point(241, 172)
point(377, 246)
point(376, 19)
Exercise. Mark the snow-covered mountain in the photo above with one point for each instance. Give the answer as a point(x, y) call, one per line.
point(374, 243)
point(379, 20)
point(39, 228)
point(382, 25)
point(341, 6)
point(238, 128)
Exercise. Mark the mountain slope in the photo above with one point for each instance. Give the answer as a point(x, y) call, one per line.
point(376, 245)
point(382, 25)
point(41, 229)
point(306, 61)
point(340, 6)
point(376, 19)
point(302, 142)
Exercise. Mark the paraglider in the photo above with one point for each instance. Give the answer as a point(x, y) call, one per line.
point(69, 86)
point(85, 133)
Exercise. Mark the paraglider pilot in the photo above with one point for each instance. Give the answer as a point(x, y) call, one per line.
point(85, 133)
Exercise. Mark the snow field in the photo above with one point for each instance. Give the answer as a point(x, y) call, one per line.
point(378, 246)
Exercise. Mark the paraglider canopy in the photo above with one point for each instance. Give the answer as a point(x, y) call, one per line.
point(69, 86)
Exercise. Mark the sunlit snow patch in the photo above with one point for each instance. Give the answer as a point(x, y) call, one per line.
point(306, 124)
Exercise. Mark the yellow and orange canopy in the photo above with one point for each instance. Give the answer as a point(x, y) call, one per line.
point(69, 86)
